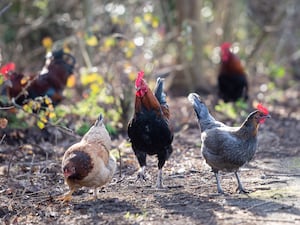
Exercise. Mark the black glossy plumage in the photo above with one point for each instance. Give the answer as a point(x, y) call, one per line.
point(150, 134)
point(232, 87)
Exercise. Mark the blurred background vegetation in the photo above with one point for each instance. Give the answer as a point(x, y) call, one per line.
point(179, 40)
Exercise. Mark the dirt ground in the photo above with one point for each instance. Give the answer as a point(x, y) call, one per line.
point(31, 179)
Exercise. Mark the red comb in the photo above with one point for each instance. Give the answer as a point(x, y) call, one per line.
point(7, 67)
point(262, 109)
point(225, 45)
point(139, 78)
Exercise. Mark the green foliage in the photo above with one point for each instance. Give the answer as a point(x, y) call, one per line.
point(83, 128)
point(276, 71)
point(232, 110)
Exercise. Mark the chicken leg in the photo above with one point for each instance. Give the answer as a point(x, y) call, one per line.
point(240, 187)
point(141, 174)
point(220, 191)
point(159, 183)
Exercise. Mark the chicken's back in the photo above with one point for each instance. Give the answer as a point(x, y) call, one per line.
point(224, 150)
point(205, 119)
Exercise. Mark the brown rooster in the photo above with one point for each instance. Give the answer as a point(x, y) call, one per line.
point(88, 163)
point(227, 148)
point(232, 79)
point(149, 129)
point(50, 83)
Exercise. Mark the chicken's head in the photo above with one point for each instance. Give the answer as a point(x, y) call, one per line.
point(69, 170)
point(262, 113)
point(225, 51)
point(140, 85)
point(7, 68)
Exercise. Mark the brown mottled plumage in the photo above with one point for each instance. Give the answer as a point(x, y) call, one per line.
point(88, 163)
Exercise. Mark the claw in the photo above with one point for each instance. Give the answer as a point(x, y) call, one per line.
point(242, 191)
point(240, 187)
point(67, 197)
point(141, 174)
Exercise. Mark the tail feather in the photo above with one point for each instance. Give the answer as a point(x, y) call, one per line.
point(159, 92)
point(205, 119)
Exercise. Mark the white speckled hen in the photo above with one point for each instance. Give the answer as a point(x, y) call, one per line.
point(227, 148)
point(89, 163)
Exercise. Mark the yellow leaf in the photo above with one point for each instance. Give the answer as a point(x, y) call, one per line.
point(43, 119)
point(1, 79)
point(66, 48)
point(27, 108)
point(137, 21)
point(131, 45)
point(52, 115)
point(91, 40)
point(40, 124)
point(47, 43)
point(95, 88)
point(132, 76)
point(155, 22)
point(91, 78)
point(148, 17)
point(109, 42)
point(48, 100)
point(24, 80)
point(71, 81)
point(129, 53)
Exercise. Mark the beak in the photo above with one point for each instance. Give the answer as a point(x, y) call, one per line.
point(267, 116)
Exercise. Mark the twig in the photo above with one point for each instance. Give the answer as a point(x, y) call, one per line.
point(10, 161)
point(2, 139)
point(7, 107)
point(257, 205)
point(120, 163)
point(3, 10)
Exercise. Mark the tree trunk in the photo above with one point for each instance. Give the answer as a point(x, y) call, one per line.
point(191, 77)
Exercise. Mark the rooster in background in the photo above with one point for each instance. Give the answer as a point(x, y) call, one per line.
point(149, 129)
point(227, 148)
point(232, 79)
point(89, 163)
point(51, 82)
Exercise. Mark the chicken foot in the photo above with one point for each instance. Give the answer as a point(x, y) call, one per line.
point(67, 197)
point(240, 187)
point(141, 174)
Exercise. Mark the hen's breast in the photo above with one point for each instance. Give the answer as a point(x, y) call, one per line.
point(149, 132)
point(82, 163)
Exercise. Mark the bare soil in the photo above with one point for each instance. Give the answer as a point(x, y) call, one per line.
point(31, 179)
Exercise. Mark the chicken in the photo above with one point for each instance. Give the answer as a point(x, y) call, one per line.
point(149, 130)
point(49, 83)
point(232, 79)
point(89, 163)
point(227, 148)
